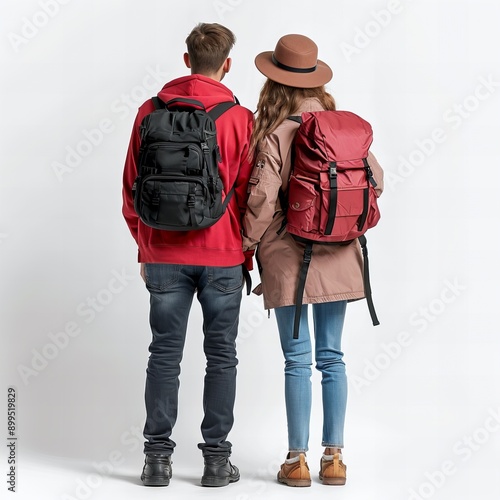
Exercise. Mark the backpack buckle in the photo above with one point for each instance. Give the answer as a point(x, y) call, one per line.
point(149, 170)
point(155, 199)
point(333, 174)
point(308, 254)
point(191, 201)
point(369, 173)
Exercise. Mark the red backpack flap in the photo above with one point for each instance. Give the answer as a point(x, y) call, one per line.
point(331, 192)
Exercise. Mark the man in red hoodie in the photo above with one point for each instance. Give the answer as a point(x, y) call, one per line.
point(177, 264)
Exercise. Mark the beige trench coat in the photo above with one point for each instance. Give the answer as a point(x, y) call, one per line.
point(335, 272)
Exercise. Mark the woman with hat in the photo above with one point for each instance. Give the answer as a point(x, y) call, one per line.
point(295, 84)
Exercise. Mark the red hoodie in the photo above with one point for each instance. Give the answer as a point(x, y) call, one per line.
point(220, 244)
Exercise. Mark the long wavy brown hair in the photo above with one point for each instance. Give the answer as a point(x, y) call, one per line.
point(277, 102)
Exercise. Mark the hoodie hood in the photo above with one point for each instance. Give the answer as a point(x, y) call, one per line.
point(201, 88)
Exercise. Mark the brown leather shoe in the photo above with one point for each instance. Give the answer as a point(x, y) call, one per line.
point(332, 470)
point(295, 474)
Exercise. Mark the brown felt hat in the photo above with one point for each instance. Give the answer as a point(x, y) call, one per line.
point(295, 63)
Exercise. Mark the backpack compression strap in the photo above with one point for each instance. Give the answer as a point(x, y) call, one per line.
point(332, 209)
point(366, 199)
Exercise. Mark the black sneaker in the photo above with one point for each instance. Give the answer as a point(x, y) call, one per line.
point(219, 472)
point(157, 470)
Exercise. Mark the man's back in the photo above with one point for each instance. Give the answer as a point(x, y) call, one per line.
point(221, 243)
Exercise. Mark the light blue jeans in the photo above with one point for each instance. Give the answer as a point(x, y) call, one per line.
point(328, 323)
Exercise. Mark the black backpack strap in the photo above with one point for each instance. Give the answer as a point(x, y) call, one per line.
point(300, 288)
point(366, 196)
point(225, 203)
point(248, 279)
point(215, 113)
point(221, 108)
point(295, 118)
point(366, 281)
point(364, 213)
point(158, 103)
point(282, 195)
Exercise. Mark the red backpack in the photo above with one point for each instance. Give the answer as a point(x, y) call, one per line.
point(331, 193)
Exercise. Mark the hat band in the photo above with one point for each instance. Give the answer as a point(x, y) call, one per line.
point(291, 68)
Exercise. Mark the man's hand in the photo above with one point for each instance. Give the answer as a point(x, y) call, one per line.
point(143, 275)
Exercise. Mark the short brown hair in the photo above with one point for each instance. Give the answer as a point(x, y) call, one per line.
point(208, 46)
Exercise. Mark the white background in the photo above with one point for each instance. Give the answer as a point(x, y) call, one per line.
point(423, 415)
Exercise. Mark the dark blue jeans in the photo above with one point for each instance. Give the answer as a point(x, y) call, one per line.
point(172, 288)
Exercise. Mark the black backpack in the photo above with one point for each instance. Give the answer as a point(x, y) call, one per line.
point(178, 187)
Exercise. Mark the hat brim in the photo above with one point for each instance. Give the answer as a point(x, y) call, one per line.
point(320, 76)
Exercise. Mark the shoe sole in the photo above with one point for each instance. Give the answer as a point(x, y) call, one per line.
point(333, 481)
point(299, 483)
point(154, 481)
point(213, 481)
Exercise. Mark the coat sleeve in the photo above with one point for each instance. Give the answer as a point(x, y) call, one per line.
point(263, 188)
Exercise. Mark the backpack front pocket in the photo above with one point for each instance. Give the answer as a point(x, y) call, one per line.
point(173, 203)
point(302, 213)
